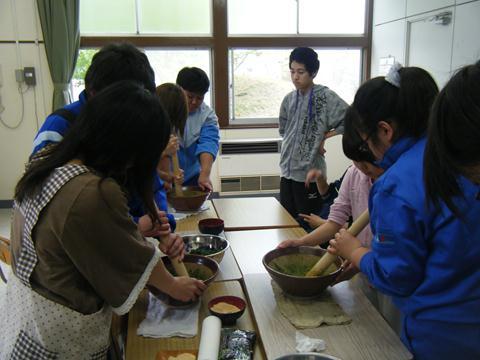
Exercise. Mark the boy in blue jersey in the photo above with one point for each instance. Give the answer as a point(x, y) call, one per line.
point(114, 62)
point(425, 209)
point(199, 143)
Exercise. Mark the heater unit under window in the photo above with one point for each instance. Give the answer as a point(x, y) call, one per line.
point(249, 166)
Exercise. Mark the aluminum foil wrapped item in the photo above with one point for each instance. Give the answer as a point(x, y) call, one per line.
point(237, 344)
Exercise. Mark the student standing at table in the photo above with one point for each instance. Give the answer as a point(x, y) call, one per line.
point(199, 143)
point(308, 116)
point(425, 208)
point(352, 201)
point(76, 254)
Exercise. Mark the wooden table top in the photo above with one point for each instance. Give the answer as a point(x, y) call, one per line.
point(249, 247)
point(190, 223)
point(253, 213)
point(228, 266)
point(367, 337)
point(141, 348)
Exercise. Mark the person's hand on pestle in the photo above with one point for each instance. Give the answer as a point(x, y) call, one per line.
point(172, 146)
point(148, 229)
point(347, 246)
point(173, 247)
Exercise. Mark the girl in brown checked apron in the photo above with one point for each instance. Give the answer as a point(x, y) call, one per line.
point(76, 254)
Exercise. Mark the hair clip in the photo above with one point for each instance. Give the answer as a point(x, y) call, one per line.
point(393, 77)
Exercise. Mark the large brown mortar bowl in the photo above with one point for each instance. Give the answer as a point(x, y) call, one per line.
point(300, 286)
point(192, 199)
point(196, 265)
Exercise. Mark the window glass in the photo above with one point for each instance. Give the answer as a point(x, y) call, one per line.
point(260, 79)
point(175, 17)
point(331, 16)
point(77, 85)
point(167, 64)
point(262, 17)
point(107, 17)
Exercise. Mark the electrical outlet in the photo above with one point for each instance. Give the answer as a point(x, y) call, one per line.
point(29, 75)
point(19, 75)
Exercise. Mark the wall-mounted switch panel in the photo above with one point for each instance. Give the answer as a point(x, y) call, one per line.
point(29, 75)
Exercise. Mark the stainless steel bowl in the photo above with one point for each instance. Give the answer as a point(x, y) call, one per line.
point(196, 242)
point(307, 356)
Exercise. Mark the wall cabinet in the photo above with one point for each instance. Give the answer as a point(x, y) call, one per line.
point(466, 45)
point(388, 10)
point(415, 7)
point(388, 41)
point(439, 39)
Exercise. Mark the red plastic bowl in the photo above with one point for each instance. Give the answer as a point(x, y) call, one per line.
point(230, 318)
point(211, 226)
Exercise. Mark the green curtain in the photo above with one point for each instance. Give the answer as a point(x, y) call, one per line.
point(61, 34)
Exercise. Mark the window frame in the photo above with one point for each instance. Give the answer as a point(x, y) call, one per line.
point(220, 42)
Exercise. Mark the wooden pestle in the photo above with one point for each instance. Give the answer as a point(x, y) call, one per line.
point(177, 264)
point(327, 259)
point(176, 172)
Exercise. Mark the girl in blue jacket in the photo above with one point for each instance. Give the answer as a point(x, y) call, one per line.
point(425, 209)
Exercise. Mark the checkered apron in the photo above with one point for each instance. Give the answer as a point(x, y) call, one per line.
point(34, 327)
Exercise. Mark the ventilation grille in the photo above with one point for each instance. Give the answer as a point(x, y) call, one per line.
point(250, 183)
point(250, 148)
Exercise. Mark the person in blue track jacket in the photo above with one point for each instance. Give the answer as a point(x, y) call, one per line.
point(114, 62)
point(425, 209)
point(199, 143)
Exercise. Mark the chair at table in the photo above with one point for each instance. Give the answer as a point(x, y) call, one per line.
point(4, 255)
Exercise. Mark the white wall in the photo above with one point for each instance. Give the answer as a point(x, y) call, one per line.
point(19, 22)
point(406, 30)
point(337, 162)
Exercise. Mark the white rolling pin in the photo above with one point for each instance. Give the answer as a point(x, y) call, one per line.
point(210, 338)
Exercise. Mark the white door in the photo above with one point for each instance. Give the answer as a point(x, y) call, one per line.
point(429, 43)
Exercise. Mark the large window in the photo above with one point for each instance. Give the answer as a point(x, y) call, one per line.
point(243, 45)
point(259, 79)
point(173, 17)
point(296, 17)
point(167, 64)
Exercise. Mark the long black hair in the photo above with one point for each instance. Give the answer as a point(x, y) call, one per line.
point(175, 103)
point(352, 144)
point(406, 106)
point(119, 61)
point(453, 143)
point(120, 133)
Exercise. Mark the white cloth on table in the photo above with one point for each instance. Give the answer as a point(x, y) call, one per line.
point(164, 321)
point(179, 215)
